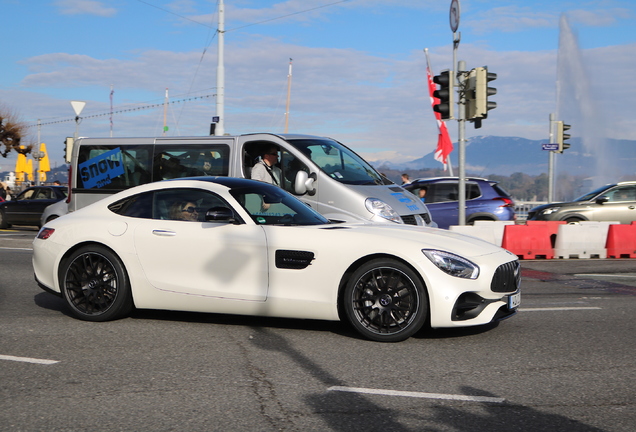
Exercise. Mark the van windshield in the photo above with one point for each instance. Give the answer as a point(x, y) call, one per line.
point(339, 162)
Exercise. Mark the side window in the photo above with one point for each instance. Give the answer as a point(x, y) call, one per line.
point(472, 191)
point(137, 206)
point(252, 153)
point(191, 160)
point(43, 194)
point(446, 192)
point(621, 194)
point(113, 167)
point(185, 204)
point(27, 195)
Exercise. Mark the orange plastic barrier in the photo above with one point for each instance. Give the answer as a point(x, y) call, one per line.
point(531, 241)
point(621, 241)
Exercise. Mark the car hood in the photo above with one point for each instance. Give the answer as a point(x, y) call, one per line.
point(421, 237)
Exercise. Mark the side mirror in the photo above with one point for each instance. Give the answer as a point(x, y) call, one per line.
point(602, 200)
point(220, 214)
point(304, 183)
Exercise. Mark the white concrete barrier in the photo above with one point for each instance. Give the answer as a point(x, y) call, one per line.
point(582, 240)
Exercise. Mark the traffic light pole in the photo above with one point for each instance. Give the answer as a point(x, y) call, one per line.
point(551, 159)
point(461, 137)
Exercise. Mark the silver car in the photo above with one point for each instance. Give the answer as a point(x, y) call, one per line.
point(614, 202)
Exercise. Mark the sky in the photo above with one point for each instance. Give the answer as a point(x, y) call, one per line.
point(358, 68)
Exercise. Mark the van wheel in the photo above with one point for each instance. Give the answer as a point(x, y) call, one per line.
point(95, 284)
point(385, 301)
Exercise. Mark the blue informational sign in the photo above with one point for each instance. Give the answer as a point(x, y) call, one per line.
point(101, 170)
point(550, 146)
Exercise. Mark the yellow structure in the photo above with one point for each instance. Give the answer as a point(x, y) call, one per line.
point(24, 167)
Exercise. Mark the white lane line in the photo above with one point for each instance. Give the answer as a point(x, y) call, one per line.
point(28, 360)
point(10, 248)
point(613, 275)
point(417, 394)
point(557, 309)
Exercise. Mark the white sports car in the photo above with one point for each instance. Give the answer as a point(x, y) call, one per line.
point(235, 246)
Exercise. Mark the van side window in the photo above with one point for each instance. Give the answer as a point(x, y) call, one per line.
point(191, 160)
point(288, 163)
point(113, 167)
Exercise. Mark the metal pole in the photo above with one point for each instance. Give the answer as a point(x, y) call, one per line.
point(220, 75)
point(456, 38)
point(551, 160)
point(461, 123)
point(37, 158)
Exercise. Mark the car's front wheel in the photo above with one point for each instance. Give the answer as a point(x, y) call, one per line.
point(95, 284)
point(386, 301)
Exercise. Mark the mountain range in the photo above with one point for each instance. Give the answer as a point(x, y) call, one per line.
point(504, 156)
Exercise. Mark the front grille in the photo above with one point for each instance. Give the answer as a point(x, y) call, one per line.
point(507, 277)
point(409, 219)
point(426, 217)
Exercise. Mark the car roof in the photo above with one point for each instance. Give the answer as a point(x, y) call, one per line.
point(435, 179)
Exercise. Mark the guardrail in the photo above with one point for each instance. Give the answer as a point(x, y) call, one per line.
point(523, 207)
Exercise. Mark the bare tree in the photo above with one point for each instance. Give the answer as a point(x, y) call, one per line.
point(12, 133)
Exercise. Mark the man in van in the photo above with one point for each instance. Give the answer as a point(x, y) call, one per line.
point(265, 169)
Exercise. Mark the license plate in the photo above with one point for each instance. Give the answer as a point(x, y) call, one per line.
point(514, 300)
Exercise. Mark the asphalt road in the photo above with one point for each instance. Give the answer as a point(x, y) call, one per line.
point(565, 362)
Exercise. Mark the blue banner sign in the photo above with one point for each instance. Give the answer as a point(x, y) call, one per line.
point(551, 146)
point(100, 170)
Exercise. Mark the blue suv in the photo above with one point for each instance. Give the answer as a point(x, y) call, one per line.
point(485, 200)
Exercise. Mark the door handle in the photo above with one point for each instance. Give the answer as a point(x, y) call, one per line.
point(631, 207)
point(164, 233)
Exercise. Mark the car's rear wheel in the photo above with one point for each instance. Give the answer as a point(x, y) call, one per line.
point(385, 301)
point(95, 284)
point(3, 221)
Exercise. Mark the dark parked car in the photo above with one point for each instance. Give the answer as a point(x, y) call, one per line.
point(27, 207)
point(613, 202)
point(485, 200)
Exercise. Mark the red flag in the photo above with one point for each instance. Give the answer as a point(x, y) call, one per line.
point(444, 143)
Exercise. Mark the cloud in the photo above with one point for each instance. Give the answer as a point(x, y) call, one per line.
point(375, 104)
point(85, 7)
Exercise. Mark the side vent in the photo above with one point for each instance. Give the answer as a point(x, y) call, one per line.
point(295, 260)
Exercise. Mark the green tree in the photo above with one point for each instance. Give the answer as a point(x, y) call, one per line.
point(12, 133)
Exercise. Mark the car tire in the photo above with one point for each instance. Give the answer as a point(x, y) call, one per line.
point(95, 284)
point(385, 301)
point(573, 220)
point(3, 221)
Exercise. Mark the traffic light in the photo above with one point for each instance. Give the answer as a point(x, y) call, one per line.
point(477, 93)
point(68, 149)
point(561, 136)
point(444, 94)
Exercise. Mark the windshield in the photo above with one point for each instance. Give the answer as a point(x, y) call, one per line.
point(590, 195)
point(270, 205)
point(339, 162)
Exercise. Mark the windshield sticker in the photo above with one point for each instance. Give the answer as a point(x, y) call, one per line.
point(100, 170)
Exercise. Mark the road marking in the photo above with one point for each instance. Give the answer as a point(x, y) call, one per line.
point(613, 275)
point(557, 309)
point(417, 394)
point(28, 360)
point(9, 248)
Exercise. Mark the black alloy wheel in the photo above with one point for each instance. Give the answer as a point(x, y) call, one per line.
point(95, 284)
point(386, 301)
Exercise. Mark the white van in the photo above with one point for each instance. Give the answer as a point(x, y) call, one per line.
point(322, 172)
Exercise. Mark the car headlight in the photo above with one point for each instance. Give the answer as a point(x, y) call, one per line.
point(452, 264)
point(550, 210)
point(382, 209)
